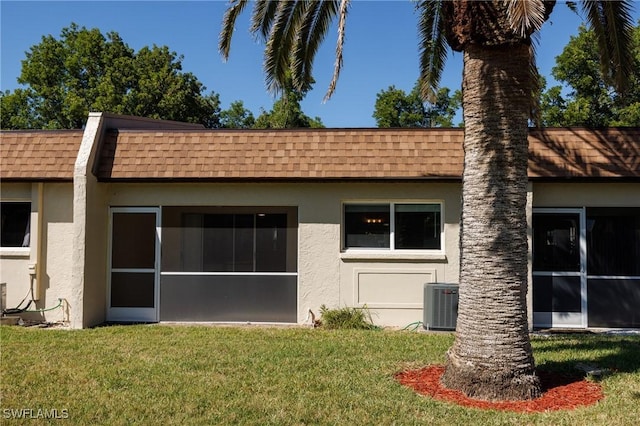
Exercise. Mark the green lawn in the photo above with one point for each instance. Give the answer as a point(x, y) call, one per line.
point(282, 376)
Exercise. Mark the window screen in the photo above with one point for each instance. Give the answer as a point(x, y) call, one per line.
point(414, 226)
point(16, 224)
point(417, 226)
point(213, 239)
point(613, 241)
point(367, 225)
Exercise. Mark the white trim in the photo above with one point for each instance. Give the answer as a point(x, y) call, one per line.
point(133, 270)
point(15, 252)
point(613, 277)
point(557, 274)
point(396, 256)
point(583, 267)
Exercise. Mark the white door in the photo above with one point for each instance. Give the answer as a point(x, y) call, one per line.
point(134, 264)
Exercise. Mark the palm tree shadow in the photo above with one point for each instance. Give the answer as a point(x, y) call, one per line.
point(567, 355)
point(584, 153)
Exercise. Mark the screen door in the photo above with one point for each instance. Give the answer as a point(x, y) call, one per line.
point(133, 266)
point(559, 284)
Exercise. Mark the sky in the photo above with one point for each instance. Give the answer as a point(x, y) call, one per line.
point(380, 48)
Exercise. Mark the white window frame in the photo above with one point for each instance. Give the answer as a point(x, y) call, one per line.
point(392, 222)
point(20, 251)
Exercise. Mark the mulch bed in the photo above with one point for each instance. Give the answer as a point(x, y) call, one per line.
point(560, 392)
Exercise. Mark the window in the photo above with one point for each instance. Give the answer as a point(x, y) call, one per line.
point(236, 240)
point(613, 241)
point(16, 224)
point(393, 226)
point(242, 242)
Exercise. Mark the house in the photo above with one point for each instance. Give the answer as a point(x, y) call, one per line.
point(135, 219)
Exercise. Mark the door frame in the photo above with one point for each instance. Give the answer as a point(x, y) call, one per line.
point(135, 314)
point(563, 319)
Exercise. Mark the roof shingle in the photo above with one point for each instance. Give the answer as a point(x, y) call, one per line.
point(283, 154)
point(584, 153)
point(302, 154)
point(39, 154)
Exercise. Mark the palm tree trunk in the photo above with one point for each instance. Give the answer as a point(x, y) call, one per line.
point(492, 358)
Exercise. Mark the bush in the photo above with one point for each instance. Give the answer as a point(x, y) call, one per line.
point(346, 318)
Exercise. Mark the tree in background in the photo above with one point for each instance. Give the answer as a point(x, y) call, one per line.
point(395, 108)
point(286, 112)
point(86, 71)
point(237, 117)
point(17, 110)
point(491, 357)
point(592, 100)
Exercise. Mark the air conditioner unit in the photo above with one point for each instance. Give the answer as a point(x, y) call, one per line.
point(440, 306)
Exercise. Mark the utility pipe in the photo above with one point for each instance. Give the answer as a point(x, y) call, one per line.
point(37, 291)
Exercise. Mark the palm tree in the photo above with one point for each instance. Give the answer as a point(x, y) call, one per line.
point(491, 357)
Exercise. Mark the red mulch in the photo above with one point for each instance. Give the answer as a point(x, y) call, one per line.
point(560, 392)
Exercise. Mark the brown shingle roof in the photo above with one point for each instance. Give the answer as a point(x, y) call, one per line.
point(355, 154)
point(584, 153)
point(283, 154)
point(39, 154)
point(309, 154)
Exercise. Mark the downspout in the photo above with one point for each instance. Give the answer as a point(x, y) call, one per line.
point(35, 268)
point(39, 244)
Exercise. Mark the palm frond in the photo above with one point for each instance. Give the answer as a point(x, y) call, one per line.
point(262, 17)
point(612, 25)
point(432, 45)
point(535, 114)
point(525, 17)
point(344, 8)
point(313, 29)
point(280, 41)
point(228, 26)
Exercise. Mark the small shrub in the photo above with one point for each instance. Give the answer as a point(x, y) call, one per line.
point(346, 318)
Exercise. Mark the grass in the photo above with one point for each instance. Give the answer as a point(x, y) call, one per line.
point(282, 376)
point(346, 318)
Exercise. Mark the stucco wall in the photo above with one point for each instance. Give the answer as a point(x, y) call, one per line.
point(56, 240)
point(586, 195)
point(96, 255)
point(325, 275)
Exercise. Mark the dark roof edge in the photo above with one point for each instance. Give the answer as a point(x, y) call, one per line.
point(52, 131)
point(296, 130)
point(437, 179)
point(281, 180)
point(586, 179)
point(35, 180)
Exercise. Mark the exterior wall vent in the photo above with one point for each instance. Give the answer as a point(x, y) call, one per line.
point(440, 306)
